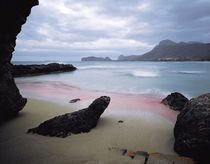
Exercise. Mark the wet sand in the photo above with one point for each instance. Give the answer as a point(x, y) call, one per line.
point(121, 104)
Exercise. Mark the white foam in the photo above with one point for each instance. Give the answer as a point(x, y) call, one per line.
point(145, 73)
point(98, 66)
point(189, 72)
point(55, 62)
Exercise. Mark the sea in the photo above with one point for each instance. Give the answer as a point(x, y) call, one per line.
point(137, 77)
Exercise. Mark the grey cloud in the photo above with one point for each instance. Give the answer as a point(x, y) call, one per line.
point(104, 26)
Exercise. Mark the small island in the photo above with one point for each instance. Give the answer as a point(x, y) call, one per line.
point(93, 58)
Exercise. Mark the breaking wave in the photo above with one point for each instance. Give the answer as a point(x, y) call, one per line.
point(189, 72)
point(99, 67)
point(144, 73)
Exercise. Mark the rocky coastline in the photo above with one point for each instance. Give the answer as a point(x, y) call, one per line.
point(32, 70)
point(192, 128)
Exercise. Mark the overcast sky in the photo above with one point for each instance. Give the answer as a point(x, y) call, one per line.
point(70, 29)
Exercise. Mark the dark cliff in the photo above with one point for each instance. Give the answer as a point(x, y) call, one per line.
point(13, 14)
point(168, 50)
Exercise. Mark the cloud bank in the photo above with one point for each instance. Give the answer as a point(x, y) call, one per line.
point(71, 29)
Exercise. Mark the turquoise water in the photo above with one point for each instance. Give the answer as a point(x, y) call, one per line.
point(142, 78)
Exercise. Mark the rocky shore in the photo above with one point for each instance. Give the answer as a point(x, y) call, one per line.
point(175, 101)
point(192, 128)
point(30, 70)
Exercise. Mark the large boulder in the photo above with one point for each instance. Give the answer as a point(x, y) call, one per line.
point(175, 101)
point(192, 129)
point(80, 121)
point(13, 14)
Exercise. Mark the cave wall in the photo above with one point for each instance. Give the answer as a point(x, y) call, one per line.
point(13, 14)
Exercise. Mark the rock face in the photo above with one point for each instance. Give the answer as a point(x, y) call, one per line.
point(93, 58)
point(28, 70)
point(175, 101)
point(192, 129)
point(13, 14)
point(80, 121)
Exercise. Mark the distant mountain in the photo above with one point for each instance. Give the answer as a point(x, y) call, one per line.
point(93, 58)
point(168, 50)
point(127, 58)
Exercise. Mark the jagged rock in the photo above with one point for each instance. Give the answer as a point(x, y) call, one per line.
point(192, 129)
point(175, 101)
point(13, 14)
point(80, 121)
point(29, 70)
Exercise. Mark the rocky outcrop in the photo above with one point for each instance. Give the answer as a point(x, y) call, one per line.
point(80, 121)
point(13, 14)
point(192, 129)
point(93, 58)
point(175, 101)
point(30, 70)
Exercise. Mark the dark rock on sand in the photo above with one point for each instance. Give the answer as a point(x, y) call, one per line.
point(192, 129)
point(175, 101)
point(74, 100)
point(30, 70)
point(120, 121)
point(80, 121)
point(124, 151)
point(13, 14)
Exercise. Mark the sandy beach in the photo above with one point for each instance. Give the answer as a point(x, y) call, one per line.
point(143, 130)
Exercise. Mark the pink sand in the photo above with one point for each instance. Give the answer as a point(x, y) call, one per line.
point(120, 103)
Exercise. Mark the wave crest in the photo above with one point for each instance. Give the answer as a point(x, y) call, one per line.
point(145, 73)
point(99, 67)
point(189, 72)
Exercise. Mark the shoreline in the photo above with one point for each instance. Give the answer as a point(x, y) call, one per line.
point(121, 104)
point(146, 132)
